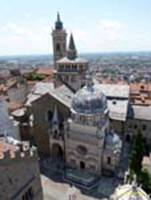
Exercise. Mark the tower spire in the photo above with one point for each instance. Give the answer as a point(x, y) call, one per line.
point(71, 43)
point(58, 24)
point(72, 52)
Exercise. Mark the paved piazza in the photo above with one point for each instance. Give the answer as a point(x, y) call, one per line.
point(62, 191)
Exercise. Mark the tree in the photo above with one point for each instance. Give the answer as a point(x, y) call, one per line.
point(34, 77)
point(145, 180)
point(138, 149)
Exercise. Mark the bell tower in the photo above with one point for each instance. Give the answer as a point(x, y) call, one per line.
point(59, 36)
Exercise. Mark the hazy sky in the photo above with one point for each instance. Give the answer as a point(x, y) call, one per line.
point(97, 25)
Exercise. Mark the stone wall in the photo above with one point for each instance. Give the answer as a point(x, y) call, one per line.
point(20, 173)
point(133, 125)
point(117, 126)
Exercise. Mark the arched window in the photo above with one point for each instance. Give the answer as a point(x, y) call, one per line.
point(108, 160)
point(135, 126)
point(82, 165)
point(49, 115)
point(57, 151)
point(58, 47)
point(128, 138)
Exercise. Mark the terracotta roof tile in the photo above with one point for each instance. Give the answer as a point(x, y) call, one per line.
point(44, 71)
point(12, 106)
point(6, 147)
point(140, 93)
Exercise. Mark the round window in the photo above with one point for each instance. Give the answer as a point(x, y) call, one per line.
point(82, 150)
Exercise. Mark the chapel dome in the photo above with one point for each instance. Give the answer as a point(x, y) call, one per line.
point(89, 99)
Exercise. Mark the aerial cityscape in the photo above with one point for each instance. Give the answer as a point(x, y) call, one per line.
point(75, 123)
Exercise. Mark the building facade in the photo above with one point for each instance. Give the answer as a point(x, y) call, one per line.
point(138, 119)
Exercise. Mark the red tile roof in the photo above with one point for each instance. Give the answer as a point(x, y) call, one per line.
point(44, 71)
point(12, 106)
point(6, 147)
point(140, 93)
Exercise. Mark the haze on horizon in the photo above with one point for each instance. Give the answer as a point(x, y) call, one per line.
point(97, 26)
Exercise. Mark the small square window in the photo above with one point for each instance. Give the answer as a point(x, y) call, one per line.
point(144, 127)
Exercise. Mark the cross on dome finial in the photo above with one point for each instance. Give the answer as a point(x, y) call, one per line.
point(134, 183)
point(58, 17)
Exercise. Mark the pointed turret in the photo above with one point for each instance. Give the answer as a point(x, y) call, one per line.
point(72, 52)
point(71, 43)
point(58, 24)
